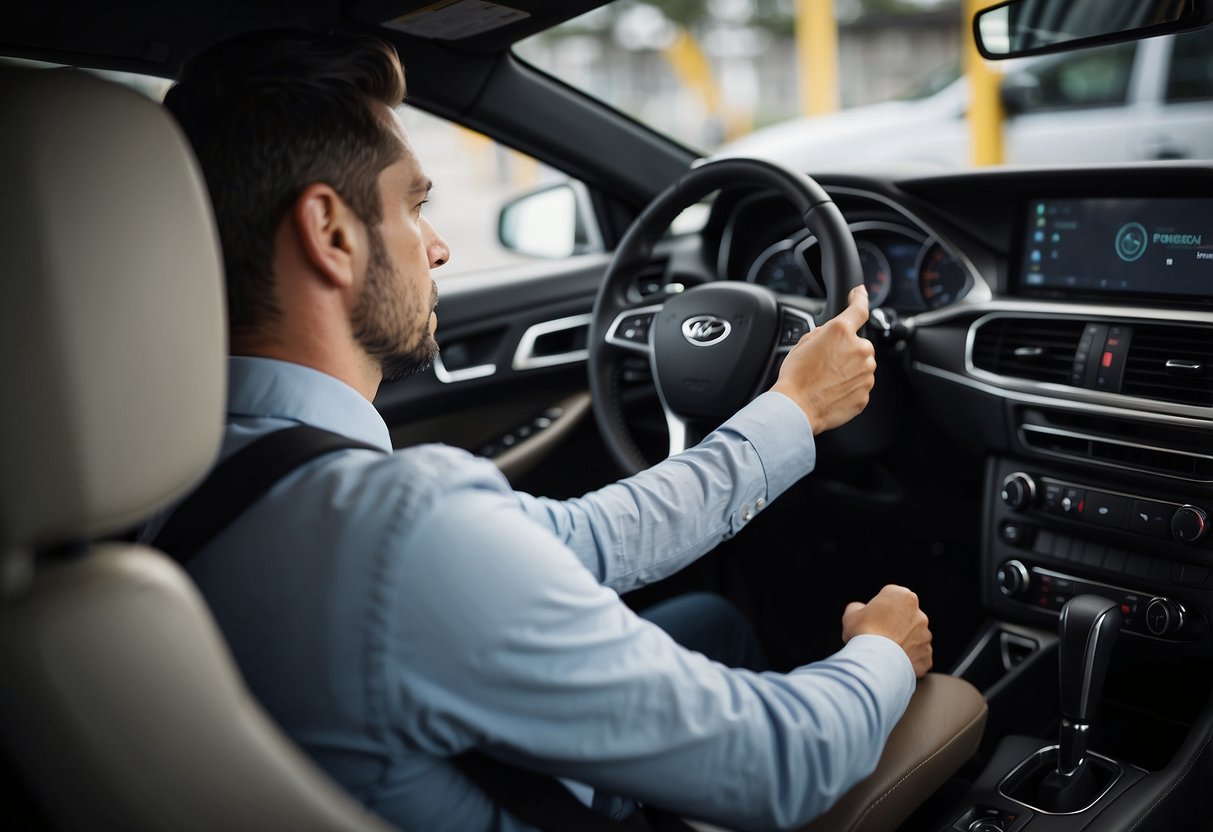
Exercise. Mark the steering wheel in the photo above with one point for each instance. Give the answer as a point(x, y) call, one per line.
point(711, 348)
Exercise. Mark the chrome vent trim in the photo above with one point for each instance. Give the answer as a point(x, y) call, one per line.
point(1060, 394)
point(1117, 453)
point(1171, 363)
point(1039, 349)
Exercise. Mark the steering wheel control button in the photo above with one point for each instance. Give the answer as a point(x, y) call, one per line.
point(635, 328)
point(792, 328)
point(1018, 491)
point(1189, 524)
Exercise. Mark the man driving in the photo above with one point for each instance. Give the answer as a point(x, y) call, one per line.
point(395, 610)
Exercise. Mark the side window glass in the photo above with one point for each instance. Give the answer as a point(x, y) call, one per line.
point(1099, 78)
point(1191, 74)
point(474, 179)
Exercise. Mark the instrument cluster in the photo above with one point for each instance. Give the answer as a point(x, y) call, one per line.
point(903, 268)
point(906, 267)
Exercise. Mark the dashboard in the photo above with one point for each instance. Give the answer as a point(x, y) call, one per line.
point(1058, 325)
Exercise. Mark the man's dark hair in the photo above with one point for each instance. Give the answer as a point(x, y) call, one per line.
point(270, 113)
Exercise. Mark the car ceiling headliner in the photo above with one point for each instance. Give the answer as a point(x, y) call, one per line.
point(155, 36)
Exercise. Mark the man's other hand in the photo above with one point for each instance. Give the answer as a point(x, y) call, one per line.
point(894, 614)
point(830, 372)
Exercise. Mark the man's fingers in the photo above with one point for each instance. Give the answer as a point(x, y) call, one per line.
point(856, 313)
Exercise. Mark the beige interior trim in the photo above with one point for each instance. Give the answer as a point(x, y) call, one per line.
point(940, 729)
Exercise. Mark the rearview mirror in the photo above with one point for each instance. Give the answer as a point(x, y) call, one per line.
point(1032, 27)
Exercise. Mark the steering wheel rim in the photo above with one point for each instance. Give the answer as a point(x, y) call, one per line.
point(613, 333)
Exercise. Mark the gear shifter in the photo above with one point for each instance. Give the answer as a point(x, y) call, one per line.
point(1088, 628)
point(1068, 780)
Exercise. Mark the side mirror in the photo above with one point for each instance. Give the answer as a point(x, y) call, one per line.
point(554, 221)
point(1020, 93)
point(1032, 27)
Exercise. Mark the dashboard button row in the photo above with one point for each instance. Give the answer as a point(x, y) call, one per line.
point(1116, 511)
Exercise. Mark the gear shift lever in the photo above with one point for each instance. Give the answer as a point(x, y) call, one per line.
point(1072, 781)
point(1088, 628)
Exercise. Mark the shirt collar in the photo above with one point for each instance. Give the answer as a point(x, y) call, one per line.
point(265, 388)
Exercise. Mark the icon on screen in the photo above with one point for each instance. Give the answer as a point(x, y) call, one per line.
point(1131, 241)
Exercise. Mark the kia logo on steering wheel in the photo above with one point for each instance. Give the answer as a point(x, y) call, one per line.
point(705, 330)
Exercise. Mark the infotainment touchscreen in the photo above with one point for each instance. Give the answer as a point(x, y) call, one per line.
point(1161, 247)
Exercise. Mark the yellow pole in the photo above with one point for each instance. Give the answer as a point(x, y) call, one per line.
point(694, 69)
point(817, 56)
point(985, 107)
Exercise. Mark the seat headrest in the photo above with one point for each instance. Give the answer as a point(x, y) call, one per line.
point(112, 326)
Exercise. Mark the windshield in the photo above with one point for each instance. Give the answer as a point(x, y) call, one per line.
point(861, 82)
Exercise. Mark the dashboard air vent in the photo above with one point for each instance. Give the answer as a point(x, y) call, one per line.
point(1040, 349)
point(1172, 363)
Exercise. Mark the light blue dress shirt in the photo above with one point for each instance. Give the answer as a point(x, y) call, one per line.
point(391, 611)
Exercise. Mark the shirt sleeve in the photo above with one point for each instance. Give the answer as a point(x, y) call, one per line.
point(512, 647)
point(651, 525)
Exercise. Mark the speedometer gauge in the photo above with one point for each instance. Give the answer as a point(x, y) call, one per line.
point(941, 277)
point(781, 268)
point(877, 273)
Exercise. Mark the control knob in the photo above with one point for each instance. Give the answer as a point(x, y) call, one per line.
point(1164, 616)
point(1189, 524)
point(1012, 577)
point(1018, 491)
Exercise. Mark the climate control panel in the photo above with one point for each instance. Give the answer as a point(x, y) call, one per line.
point(1050, 533)
point(1185, 523)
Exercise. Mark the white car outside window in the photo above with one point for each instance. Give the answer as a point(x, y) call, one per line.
point(1151, 99)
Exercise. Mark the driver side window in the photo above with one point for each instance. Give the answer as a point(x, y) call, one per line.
point(546, 215)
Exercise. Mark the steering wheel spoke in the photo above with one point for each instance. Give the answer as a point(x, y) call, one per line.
point(681, 432)
point(632, 328)
point(793, 325)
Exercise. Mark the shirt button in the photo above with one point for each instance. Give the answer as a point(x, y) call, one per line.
point(745, 514)
point(760, 503)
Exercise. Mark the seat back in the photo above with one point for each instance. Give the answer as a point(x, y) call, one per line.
point(120, 706)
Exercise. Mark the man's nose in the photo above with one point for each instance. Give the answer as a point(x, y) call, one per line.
point(435, 247)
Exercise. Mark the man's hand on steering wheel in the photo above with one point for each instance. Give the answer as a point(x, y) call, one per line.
point(832, 369)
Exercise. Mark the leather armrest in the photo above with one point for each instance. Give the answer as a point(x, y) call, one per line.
point(940, 729)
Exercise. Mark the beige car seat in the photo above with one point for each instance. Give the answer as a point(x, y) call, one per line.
point(120, 707)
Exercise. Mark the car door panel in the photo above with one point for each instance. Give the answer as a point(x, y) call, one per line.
point(511, 380)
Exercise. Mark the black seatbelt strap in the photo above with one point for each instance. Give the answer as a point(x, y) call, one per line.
point(244, 477)
point(239, 481)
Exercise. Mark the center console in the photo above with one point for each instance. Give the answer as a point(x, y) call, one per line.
point(1134, 554)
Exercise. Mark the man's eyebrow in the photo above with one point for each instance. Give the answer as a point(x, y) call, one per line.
point(421, 186)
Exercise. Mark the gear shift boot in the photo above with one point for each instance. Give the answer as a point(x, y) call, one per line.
point(1037, 784)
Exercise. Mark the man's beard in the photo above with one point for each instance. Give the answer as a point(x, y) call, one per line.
point(390, 328)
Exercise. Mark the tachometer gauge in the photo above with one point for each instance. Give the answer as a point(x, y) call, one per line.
point(781, 268)
point(877, 273)
point(941, 277)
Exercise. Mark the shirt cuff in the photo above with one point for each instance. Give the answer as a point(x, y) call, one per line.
point(887, 653)
point(779, 432)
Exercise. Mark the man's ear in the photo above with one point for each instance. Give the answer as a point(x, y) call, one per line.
point(330, 234)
